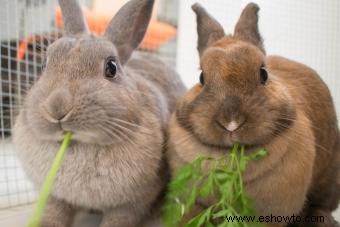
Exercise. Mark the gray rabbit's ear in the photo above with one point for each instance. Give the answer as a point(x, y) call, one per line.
point(127, 28)
point(73, 18)
point(208, 29)
point(247, 26)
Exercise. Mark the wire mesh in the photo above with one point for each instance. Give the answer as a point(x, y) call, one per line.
point(27, 28)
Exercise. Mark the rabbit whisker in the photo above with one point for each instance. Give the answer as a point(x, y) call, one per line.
point(131, 124)
point(108, 126)
point(112, 132)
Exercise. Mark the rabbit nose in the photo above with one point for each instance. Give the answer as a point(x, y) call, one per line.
point(231, 106)
point(232, 126)
point(230, 117)
point(235, 124)
point(57, 106)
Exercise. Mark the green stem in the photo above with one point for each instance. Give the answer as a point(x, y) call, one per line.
point(48, 183)
point(239, 173)
point(232, 156)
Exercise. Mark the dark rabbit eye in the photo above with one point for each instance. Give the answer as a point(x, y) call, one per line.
point(110, 68)
point(202, 78)
point(263, 74)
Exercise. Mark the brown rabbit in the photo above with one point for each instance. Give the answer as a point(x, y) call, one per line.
point(116, 105)
point(266, 102)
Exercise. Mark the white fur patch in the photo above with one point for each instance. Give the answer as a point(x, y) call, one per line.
point(232, 126)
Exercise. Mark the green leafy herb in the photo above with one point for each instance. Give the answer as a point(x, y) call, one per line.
point(48, 183)
point(223, 182)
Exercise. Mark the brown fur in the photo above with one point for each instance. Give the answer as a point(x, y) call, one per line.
point(291, 115)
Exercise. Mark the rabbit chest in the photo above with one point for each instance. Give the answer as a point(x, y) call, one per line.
point(96, 177)
point(279, 182)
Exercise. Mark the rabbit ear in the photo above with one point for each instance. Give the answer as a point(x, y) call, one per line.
point(208, 29)
point(247, 26)
point(127, 29)
point(73, 18)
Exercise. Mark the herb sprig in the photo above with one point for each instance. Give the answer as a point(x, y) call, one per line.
point(223, 182)
point(49, 182)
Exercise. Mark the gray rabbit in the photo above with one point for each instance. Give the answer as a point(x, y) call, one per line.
point(116, 103)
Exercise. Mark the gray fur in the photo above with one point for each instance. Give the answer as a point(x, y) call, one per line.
point(73, 18)
point(115, 161)
point(126, 30)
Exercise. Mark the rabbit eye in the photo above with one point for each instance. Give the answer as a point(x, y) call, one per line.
point(202, 78)
point(263, 74)
point(110, 68)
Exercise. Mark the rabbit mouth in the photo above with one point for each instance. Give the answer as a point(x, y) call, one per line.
point(100, 130)
point(229, 132)
point(94, 135)
point(64, 117)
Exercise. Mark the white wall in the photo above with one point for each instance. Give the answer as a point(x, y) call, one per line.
point(307, 31)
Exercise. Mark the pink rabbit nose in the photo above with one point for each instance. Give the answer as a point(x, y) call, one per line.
point(57, 107)
point(232, 126)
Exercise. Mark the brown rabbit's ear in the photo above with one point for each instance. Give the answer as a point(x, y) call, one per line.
point(247, 26)
point(127, 28)
point(208, 29)
point(73, 18)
